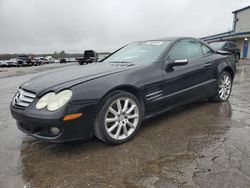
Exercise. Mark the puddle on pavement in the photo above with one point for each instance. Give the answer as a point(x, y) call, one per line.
point(165, 152)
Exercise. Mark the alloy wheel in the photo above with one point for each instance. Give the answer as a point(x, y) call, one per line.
point(225, 87)
point(121, 118)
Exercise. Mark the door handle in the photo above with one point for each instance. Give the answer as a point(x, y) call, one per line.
point(207, 64)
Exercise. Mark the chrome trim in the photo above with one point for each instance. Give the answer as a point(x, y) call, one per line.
point(28, 94)
point(23, 98)
point(181, 61)
point(148, 95)
point(207, 64)
point(154, 97)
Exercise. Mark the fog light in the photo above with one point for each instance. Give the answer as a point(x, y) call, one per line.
point(55, 131)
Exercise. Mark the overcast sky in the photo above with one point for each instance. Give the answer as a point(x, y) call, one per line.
point(45, 26)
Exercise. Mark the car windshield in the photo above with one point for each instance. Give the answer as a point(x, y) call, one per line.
point(217, 45)
point(140, 52)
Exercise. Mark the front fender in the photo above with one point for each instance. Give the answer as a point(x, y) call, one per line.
point(94, 90)
point(225, 63)
point(221, 66)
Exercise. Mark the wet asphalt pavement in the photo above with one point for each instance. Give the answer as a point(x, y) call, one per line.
point(200, 145)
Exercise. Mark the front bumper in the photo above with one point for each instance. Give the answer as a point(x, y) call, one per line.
point(38, 123)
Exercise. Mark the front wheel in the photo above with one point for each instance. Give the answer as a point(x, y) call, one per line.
point(119, 118)
point(224, 87)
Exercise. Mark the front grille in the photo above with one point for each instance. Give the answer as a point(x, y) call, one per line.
point(23, 98)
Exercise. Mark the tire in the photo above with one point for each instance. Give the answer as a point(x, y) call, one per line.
point(114, 126)
point(237, 58)
point(224, 87)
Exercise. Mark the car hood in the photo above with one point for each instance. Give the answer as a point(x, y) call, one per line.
point(69, 76)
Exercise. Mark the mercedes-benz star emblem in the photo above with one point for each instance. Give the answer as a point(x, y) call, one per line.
point(16, 98)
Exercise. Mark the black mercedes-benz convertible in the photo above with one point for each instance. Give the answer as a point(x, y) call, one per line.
point(110, 99)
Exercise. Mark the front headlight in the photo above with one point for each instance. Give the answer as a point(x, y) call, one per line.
point(54, 101)
point(59, 100)
point(44, 101)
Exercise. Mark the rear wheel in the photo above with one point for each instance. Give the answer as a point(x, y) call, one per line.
point(237, 58)
point(224, 87)
point(119, 118)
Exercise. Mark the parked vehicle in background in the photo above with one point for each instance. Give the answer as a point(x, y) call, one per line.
point(24, 60)
point(57, 60)
point(45, 60)
point(12, 63)
point(70, 59)
point(37, 61)
point(50, 59)
point(111, 99)
point(63, 60)
point(228, 46)
point(3, 63)
point(89, 56)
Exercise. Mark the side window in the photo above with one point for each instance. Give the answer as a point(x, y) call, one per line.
point(194, 50)
point(188, 49)
point(226, 45)
point(232, 45)
point(179, 51)
point(205, 50)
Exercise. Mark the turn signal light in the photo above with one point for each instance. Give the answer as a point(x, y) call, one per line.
point(72, 116)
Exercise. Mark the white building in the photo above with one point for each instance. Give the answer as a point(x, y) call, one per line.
point(240, 33)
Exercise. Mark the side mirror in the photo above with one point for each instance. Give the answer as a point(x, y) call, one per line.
point(177, 62)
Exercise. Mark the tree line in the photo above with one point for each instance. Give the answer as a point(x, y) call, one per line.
point(55, 55)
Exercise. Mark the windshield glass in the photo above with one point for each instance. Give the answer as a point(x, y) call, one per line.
point(140, 52)
point(217, 45)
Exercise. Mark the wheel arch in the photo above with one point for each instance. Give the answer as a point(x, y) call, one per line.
point(127, 88)
point(230, 71)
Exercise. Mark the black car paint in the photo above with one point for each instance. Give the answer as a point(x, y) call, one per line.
point(158, 89)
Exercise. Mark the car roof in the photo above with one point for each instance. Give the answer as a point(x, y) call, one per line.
point(225, 41)
point(170, 39)
point(174, 38)
point(221, 42)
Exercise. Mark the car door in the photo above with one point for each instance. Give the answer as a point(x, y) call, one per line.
point(189, 82)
